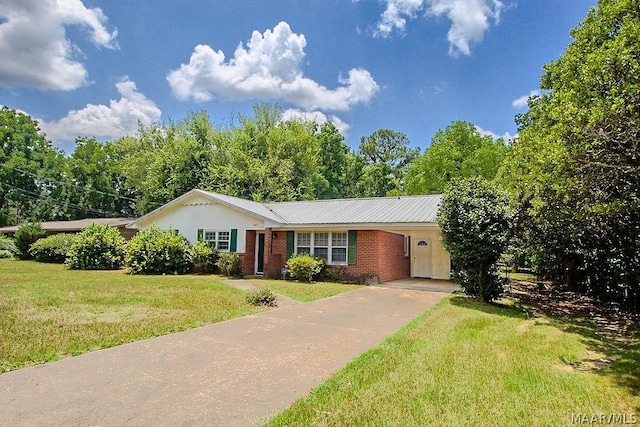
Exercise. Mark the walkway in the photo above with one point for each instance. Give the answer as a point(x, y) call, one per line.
point(238, 372)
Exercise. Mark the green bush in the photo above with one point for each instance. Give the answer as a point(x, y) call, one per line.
point(8, 245)
point(229, 264)
point(53, 248)
point(203, 258)
point(26, 235)
point(97, 247)
point(262, 297)
point(5, 254)
point(305, 267)
point(153, 251)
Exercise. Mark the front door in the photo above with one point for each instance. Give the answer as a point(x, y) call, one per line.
point(421, 257)
point(260, 254)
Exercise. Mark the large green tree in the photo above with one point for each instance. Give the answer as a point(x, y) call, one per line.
point(30, 170)
point(458, 151)
point(387, 155)
point(575, 169)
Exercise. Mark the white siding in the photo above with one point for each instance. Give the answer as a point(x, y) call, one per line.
point(440, 259)
point(198, 212)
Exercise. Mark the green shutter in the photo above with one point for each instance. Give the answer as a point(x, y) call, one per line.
point(200, 234)
point(234, 240)
point(353, 244)
point(290, 243)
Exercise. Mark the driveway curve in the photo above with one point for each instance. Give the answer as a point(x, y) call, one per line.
point(239, 372)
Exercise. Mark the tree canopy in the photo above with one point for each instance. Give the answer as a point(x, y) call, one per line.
point(575, 169)
point(459, 151)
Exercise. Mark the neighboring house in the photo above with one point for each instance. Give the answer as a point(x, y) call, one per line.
point(76, 226)
point(380, 239)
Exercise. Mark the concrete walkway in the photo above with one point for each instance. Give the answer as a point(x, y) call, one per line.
point(238, 372)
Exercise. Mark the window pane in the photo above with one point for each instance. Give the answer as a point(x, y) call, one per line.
point(304, 250)
point(339, 255)
point(321, 252)
point(223, 246)
point(304, 239)
point(209, 235)
point(321, 239)
point(223, 235)
point(339, 239)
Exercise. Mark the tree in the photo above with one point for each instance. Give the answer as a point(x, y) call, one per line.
point(333, 159)
point(95, 182)
point(575, 169)
point(474, 218)
point(27, 163)
point(458, 151)
point(390, 148)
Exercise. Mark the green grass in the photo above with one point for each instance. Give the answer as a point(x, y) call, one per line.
point(304, 292)
point(48, 312)
point(468, 363)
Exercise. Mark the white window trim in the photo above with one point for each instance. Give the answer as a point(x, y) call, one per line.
point(329, 246)
point(216, 240)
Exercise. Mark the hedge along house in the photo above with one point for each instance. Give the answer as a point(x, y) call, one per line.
point(377, 239)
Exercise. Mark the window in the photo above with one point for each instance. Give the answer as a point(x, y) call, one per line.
point(332, 246)
point(218, 239)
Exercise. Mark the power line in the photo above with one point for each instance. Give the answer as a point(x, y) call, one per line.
point(35, 196)
point(67, 183)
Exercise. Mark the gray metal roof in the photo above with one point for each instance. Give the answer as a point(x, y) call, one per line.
point(248, 206)
point(375, 210)
point(75, 225)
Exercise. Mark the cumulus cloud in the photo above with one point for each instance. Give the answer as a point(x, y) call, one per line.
point(318, 117)
point(268, 68)
point(469, 19)
point(34, 48)
point(117, 119)
point(523, 101)
point(506, 136)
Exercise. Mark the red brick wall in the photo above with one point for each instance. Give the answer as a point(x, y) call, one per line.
point(380, 255)
point(392, 264)
point(249, 256)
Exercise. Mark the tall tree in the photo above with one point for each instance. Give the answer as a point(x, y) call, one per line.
point(392, 149)
point(575, 168)
point(333, 158)
point(458, 151)
point(28, 166)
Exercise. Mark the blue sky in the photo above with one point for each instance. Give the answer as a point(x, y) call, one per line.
point(94, 68)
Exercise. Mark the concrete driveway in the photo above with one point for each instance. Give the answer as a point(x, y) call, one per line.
point(238, 372)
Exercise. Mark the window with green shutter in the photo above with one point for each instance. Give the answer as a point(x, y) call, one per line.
point(353, 244)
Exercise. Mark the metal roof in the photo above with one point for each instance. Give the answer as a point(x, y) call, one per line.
point(375, 210)
point(75, 225)
point(249, 206)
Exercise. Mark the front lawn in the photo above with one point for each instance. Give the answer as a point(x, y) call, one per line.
point(468, 363)
point(304, 292)
point(48, 312)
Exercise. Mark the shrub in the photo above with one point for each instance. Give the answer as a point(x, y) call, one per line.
point(8, 245)
point(53, 248)
point(5, 254)
point(229, 264)
point(203, 258)
point(262, 297)
point(26, 235)
point(305, 267)
point(153, 251)
point(474, 217)
point(97, 247)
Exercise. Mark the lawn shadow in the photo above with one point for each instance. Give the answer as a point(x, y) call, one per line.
point(514, 311)
point(610, 335)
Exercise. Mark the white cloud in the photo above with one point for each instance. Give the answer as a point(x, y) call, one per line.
point(318, 117)
point(523, 101)
point(117, 119)
point(268, 68)
point(34, 48)
point(469, 19)
point(506, 136)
